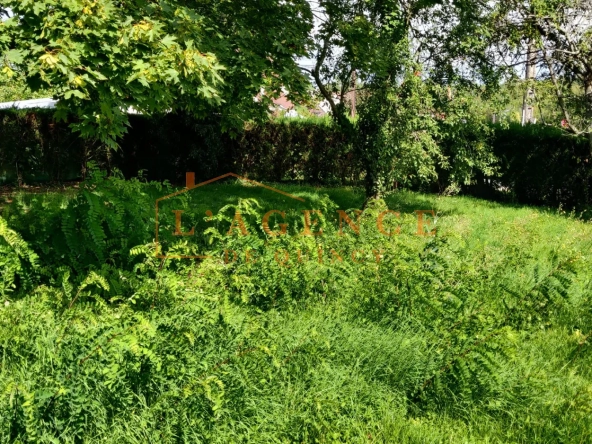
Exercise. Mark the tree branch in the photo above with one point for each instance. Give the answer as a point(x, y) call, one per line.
point(559, 94)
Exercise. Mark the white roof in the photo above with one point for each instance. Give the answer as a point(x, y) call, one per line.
point(42, 103)
point(27, 104)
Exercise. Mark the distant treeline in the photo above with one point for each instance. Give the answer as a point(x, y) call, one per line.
point(537, 164)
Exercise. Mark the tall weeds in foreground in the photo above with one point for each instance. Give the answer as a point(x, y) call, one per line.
point(479, 333)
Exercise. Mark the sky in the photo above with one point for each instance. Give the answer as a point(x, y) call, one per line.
point(306, 62)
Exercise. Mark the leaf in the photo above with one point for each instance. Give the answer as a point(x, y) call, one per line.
point(39, 7)
point(75, 93)
point(49, 59)
point(15, 55)
point(168, 40)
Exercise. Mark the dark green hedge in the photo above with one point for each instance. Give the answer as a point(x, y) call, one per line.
point(542, 165)
point(538, 165)
point(285, 150)
point(35, 148)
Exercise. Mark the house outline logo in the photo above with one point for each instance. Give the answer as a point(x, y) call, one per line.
point(191, 185)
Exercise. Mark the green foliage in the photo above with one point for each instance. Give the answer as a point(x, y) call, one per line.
point(101, 58)
point(92, 233)
point(33, 147)
point(354, 40)
point(457, 43)
point(558, 33)
point(541, 165)
point(408, 130)
point(15, 88)
point(465, 139)
point(396, 135)
point(17, 260)
point(166, 147)
point(469, 335)
point(310, 150)
point(534, 164)
point(99, 55)
point(507, 101)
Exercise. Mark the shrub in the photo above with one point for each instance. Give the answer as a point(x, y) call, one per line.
point(542, 165)
point(17, 261)
point(533, 164)
point(472, 333)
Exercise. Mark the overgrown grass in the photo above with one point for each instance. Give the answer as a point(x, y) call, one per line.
point(477, 334)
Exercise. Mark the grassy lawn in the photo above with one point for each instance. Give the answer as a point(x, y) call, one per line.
point(477, 334)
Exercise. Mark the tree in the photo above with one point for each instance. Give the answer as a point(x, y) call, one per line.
point(450, 40)
point(349, 39)
point(257, 41)
point(411, 126)
point(565, 41)
point(396, 132)
point(102, 57)
point(411, 130)
point(558, 38)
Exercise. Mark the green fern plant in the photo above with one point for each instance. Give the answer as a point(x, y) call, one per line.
point(547, 290)
point(18, 262)
point(94, 230)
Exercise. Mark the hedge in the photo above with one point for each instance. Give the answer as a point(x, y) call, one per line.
point(33, 148)
point(538, 164)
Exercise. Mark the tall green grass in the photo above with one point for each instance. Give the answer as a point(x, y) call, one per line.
point(477, 334)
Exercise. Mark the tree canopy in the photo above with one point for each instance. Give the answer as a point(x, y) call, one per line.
point(416, 60)
point(102, 57)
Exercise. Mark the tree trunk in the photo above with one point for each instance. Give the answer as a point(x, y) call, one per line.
point(527, 108)
point(353, 99)
point(589, 113)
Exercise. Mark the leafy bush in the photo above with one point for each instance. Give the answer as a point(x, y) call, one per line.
point(312, 150)
point(92, 231)
point(467, 335)
point(35, 148)
point(17, 260)
point(533, 164)
point(166, 147)
point(540, 165)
